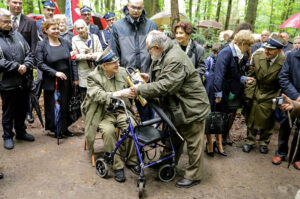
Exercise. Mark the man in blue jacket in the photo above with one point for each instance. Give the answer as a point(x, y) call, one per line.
point(128, 41)
point(289, 79)
point(86, 16)
point(48, 10)
point(105, 34)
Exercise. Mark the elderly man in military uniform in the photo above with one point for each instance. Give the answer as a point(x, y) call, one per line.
point(266, 65)
point(108, 79)
point(105, 34)
point(176, 83)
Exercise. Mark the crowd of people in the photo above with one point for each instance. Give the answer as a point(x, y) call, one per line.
point(242, 73)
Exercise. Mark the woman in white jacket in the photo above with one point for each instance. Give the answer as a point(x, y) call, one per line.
point(86, 51)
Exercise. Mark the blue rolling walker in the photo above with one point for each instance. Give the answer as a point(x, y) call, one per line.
point(143, 135)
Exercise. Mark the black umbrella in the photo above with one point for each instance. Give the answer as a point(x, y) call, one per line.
point(36, 105)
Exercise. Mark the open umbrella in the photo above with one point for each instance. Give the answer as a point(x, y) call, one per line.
point(57, 119)
point(164, 18)
point(209, 24)
point(292, 22)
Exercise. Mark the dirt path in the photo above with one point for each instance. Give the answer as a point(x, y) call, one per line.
point(47, 171)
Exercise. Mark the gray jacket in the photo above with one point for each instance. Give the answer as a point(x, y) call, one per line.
point(128, 41)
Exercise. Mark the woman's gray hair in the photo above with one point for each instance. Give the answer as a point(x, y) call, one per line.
point(80, 22)
point(156, 38)
point(4, 12)
point(60, 17)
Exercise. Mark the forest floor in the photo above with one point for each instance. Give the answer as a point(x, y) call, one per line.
point(43, 169)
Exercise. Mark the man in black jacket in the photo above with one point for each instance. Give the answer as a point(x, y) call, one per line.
point(27, 28)
point(15, 62)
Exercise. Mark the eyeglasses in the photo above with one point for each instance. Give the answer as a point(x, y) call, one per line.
point(5, 21)
point(136, 8)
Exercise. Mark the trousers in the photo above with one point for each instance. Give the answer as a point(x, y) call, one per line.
point(14, 106)
point(107, 127)
point(193, 135)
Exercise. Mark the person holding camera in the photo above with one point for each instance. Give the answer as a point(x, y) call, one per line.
point(289, 79)
point(265, 66)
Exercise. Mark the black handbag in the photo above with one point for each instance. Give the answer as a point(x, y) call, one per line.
point(74, 105)
point(216, 123)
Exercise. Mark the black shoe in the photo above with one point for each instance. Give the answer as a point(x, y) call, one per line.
point(119, 175)
point(263, 149)
point(68, 134)
point(229, 142)
point(1, 175)
point(136, 169)
point(218, 151)
point(25, 136)
point(185, 183)
point(8, 144)
point(29, 118)
point(247, 148)
point(211, 154)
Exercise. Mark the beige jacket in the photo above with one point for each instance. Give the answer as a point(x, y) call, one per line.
point(81, 50)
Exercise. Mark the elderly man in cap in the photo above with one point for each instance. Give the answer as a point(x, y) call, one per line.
point(105, 34)
point(266, 64)
point(107, 80)
point(48, 10)
point(85, 12)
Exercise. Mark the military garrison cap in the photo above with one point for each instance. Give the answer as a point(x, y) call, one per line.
point(48, 4)
point(109, 16)
point(108, 56)
point(275, 41)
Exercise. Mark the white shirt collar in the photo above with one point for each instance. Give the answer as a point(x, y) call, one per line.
point(273, 60)
point(238, 52)
point(18, 18)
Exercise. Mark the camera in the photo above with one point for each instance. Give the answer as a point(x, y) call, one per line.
point(278, 100)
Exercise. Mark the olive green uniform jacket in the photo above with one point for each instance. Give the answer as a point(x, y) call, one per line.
point(175, 81)
point(97, 100)
point(263, 90)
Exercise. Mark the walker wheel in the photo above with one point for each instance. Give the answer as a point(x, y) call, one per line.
point(166, 173)
point(141, 189)
point(101, 167)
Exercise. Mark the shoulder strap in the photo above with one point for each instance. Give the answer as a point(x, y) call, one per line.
point(103, 37)
point(92, 38)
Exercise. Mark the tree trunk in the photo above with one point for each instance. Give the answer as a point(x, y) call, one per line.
point(102, 6)
point(156, 7)
point(148, 7)
point(97, 6)
point(113, 5)
point(208, 10)
point(271, 17)
point(198, 10)
point(251, 12)
point(61, 6)
point(190, 9)
point(228, 14)
point(205, 10)
point(289, 9)
point(39, 4)
point(28, 6)
point(107, 5)
point(174, 13)
point(218, 10)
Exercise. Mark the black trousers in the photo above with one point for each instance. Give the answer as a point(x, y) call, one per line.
point(65, 90)
point(14, 106)
point(283, 141)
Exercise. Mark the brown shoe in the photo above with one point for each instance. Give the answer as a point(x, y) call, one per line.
point(277, 160)
point(297, 165)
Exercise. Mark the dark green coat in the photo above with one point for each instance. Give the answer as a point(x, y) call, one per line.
point(263, 90)
point(175, 81)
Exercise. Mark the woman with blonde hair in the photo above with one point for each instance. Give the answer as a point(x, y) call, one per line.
point(54, 60)
point(227, 82)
